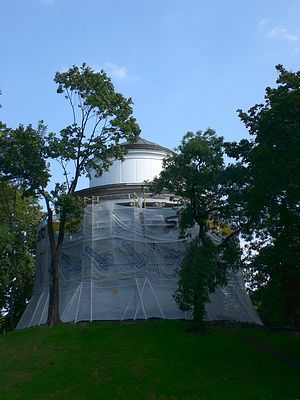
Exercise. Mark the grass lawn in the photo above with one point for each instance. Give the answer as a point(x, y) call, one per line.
point(154, 360)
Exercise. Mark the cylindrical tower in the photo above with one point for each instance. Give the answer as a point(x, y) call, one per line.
point(142, 162)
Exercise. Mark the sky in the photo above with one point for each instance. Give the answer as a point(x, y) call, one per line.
point(187, 64)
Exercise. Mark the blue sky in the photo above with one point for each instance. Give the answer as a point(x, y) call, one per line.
point(187, 64)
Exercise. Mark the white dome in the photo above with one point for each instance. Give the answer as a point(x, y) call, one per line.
point(142, 162)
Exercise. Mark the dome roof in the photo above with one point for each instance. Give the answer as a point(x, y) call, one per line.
point(145, 145)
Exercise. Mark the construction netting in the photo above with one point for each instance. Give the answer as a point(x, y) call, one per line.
point(122, 265)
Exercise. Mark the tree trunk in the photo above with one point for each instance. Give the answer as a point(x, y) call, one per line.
point(198, 316)
point(53, 310)
point(11, 301)
point(56, 249)
point(12, 308)
point(198, 312)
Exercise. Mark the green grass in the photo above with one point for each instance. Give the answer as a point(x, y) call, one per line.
point(283, 343)
point(156, 360)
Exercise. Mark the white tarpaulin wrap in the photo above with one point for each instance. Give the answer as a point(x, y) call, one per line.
point(122, 265)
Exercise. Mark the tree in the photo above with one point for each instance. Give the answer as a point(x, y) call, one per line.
point(196, 173)
point(19, 219)
point(270, 194)
point(101, 118)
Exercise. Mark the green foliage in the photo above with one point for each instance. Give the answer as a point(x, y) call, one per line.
point(72, 207)
point(269, 192)
point(196, 174)
point(204, 266)
point(23, 158)
point(19, 219)
point(101, 118)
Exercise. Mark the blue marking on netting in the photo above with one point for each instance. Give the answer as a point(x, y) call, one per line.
point(100, 261)
point(69, 263)
point(137, 259)
point(174, 256)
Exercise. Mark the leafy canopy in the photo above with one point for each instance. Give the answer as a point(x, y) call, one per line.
point(19, 219)
point(269, 167)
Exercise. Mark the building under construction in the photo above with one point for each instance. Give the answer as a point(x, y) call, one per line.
point(123, 262)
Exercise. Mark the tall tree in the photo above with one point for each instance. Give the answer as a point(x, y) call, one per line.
point(19, 219)
point(196, 174)
point(101, 118)
point(270, 194)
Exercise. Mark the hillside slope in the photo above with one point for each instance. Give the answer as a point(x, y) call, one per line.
point(154, 360)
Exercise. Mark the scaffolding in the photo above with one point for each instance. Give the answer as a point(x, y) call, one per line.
point(123, 264)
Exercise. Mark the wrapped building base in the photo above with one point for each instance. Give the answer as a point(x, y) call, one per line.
point(122, 265)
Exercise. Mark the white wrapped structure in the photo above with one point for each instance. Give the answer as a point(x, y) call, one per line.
point(122, 263)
